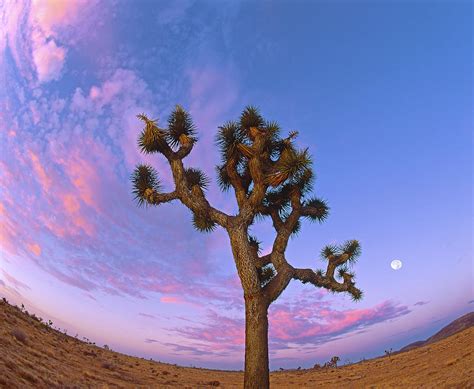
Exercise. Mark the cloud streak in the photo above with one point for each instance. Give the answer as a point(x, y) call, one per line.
point(297, 324)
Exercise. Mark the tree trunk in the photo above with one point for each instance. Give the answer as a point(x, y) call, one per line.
point(256, 344)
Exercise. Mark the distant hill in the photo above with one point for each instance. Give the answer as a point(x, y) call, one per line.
point(452, 328)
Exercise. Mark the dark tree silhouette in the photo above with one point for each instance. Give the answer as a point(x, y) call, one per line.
point(271, 178)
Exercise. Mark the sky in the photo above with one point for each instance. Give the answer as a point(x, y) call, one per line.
point(381, 94)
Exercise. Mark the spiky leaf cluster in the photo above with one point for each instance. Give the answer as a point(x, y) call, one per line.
point(292, 165)
point(265, 274)
point(223, 179)
point(329, 251)
point(352, 249)
point(255, 243)
point(144, 177)
point(349, 251)
point(296, 228)
point(320, 209)
point(228, 137)
point(357, 296)
point(181, 128)
point(344, 270)
point(196, 177)
point(203, 223)
point(250, 118)
point(152, 139)
point(278, 199)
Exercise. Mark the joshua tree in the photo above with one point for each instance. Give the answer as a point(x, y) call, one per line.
point(271, 178)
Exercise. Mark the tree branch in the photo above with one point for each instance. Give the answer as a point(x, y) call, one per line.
point(328, 282)
point(278, 283)
point(286, 228)
point(152, 197)
point(236, 182)
point(194, 199)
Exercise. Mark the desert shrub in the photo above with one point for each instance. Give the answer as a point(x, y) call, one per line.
point(19, 335)
point(214, 383)
point(107, 365)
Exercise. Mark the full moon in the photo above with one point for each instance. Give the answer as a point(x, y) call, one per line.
point(396, 264)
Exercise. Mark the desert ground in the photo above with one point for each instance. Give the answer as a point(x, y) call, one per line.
point(33, 355)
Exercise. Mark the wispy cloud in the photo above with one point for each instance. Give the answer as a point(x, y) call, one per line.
point(32, 31)
point(14, 283)
point(300, 323)
point(147, 315)
point(420, 303)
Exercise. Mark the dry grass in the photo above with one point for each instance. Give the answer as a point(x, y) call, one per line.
point(46, 358)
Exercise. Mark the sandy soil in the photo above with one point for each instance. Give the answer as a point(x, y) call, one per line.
point(35, 356)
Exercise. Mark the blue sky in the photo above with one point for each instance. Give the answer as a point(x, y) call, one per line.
point(381, 93)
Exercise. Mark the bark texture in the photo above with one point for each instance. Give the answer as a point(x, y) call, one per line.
point(256, 344)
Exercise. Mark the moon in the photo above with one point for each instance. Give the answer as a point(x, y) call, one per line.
point(396, 264)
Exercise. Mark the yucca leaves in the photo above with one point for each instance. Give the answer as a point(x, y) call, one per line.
point(342, 270)
point(304, 182)
point(223, 179)
point(250, 118)
point(196, 177)
point(265, 274)
point(278, 199)
point(329, 251)
point(271, 133)
point(228, 137)
point(144, 177)
point(202, 223)
point(152, 139)
point(292, 165)
point(351, 249)
point(319, 210)
point(181, 129)
point(357, 296)
point(255, 243)
point(296, 228)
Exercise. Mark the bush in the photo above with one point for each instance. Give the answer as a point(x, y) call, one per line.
point(107, 365)
point(19, 335)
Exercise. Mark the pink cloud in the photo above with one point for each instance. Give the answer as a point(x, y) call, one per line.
point(288, 324)
point(46, 18)
point(220, 336)
point(32, 31)
point(43, 178)
point(49, 60)
point(171, 300)
point(35, 248)
point(295, 323)
point(48, 14)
